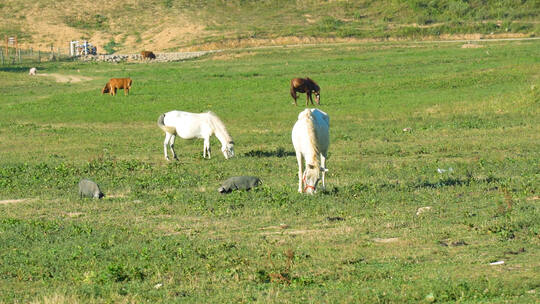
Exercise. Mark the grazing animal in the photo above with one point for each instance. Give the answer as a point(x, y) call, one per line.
point(148, 55)
point(117, 83)
point(310, 137)
point(305, 85)
point(88, 188)
point(32, 71)
point(195, 125)
point(239, 183)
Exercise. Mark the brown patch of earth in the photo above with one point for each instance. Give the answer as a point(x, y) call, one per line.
point(388, 240)
point(15, 201)
point(66, 78)
point(472, 46)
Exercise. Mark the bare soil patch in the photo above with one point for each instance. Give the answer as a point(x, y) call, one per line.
point(66, 78)
point(15, 201)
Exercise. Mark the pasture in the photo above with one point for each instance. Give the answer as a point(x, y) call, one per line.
point(398, 113)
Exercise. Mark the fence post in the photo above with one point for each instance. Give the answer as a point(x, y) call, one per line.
point(19, 56)
point(2, 56)
point(39, 56)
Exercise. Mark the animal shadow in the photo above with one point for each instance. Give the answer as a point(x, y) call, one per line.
point(15, 69)
point(279, 152)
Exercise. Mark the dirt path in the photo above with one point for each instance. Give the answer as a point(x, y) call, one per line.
point(66, 78)
point(15, 201)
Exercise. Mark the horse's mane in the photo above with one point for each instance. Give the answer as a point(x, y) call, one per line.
point(312, 135)
point(316, 86)
point(218, 125)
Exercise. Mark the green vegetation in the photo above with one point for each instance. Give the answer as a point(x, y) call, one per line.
point(164, 234)
point(170, 24)
point(110, 46)
point(87, 21)
point(367, 19)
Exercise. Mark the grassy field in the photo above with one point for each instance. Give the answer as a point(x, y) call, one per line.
point(167, 25)
point(164, 234)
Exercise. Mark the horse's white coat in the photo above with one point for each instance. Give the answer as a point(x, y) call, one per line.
point(195, 125)
point(32, 71)
point(310, 137)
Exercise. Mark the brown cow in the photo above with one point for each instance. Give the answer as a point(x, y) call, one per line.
point(305, 85)
point(148, 55)
point(117, 83)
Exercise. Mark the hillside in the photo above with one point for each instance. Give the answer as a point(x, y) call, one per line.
point(170, 25)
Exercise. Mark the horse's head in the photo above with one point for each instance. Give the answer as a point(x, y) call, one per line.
point(106, 89)
point(312, 176)
point(228, 150)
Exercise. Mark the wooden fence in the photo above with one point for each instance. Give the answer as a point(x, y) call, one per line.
point(11, 56)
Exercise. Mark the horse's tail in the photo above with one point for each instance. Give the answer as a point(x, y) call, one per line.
point(293, 92)
point(162, 126)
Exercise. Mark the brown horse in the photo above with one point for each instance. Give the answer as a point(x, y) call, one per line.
point(117, 83)
point(148, 55)
point(305, 85)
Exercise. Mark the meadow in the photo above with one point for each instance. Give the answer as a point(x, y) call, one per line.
point(398, 113)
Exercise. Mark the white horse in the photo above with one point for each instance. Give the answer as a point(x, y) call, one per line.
point(195, 125)
point(310, 137)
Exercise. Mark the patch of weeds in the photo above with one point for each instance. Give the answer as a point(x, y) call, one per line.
point(87, 21)
point(110, 46)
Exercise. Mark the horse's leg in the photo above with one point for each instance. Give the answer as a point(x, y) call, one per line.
point(308, 97)
point(165, 143)
point(299, 160)
point(323, 165)
point(293, 94)
point(171, 141)
point(206, 147)
point(126, 91)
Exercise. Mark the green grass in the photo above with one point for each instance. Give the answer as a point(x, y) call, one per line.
point(164, 234)
point(219, 22)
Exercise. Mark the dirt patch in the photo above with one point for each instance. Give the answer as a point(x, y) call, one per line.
point(292, 232)
point(388, 240)
point(229, 56)
point(472, 46)
point(66, 78)
point(15, 201)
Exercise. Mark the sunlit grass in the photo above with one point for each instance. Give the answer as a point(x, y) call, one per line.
point(398, 113)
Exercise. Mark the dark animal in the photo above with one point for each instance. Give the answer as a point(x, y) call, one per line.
point(239, 183)
point(305, 85)
point(117, 83)
point(148, 55)
point(88, 188)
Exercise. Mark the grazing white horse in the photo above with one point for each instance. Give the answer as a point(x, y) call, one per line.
point(195, 125)
point(32, 71)
point(310, 137)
